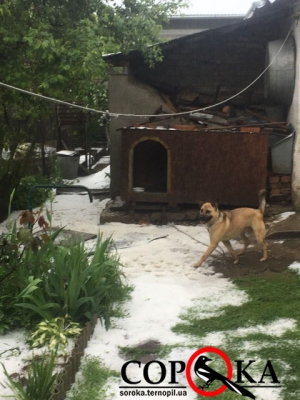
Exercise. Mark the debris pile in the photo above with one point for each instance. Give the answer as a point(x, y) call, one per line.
point(190, 115)
point(226, 119)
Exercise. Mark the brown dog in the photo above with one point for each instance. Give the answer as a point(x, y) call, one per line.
point(224, 226)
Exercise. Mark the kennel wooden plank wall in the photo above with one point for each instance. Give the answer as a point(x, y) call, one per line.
point(196, 166)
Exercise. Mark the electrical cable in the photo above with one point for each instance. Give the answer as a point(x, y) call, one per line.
point(51, 99)
point(116, 115)
point(221, 102)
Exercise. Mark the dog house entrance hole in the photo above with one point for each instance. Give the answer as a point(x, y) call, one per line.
point(150, 166)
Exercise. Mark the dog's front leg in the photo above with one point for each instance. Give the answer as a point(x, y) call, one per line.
point(207, 253)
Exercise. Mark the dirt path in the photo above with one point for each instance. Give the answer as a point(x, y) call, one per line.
point(281, 254)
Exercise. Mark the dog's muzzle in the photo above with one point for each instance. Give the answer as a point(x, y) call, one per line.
point(204, 218)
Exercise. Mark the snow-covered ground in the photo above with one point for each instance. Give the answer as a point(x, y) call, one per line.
point(158, 262)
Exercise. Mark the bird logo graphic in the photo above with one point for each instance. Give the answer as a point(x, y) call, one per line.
point(209, 375)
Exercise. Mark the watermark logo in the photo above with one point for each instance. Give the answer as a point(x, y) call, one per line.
point(206, 374)
point(198, 367)
point(199, 372)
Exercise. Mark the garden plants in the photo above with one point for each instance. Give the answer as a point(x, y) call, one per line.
point(55, 333)
point(41, 379)
point(72, 286)
point(52, 288)
point(42, 279)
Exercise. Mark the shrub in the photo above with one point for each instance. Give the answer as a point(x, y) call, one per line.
point(17, 265)
point(11, 281)
point(73, 287)
point(39, 196)
point(42, 280)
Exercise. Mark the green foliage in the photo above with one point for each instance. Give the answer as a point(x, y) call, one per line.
point(34, 300)
point(54, 333)
point(16, 269)
point(10, 174)
point(43, 280)
point(73, 287)
point(41, 380)
point(138, 23)
point(55, 49)
point(39, 195)
point(93, 378)
point(106, 284)
point(11, 280)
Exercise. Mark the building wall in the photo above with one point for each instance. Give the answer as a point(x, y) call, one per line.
point(294, 118)
point(127, 96)
point(217, 67)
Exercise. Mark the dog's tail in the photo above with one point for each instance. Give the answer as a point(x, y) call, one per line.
point(262, 200)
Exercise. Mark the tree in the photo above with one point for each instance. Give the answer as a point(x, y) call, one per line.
point(55, 48)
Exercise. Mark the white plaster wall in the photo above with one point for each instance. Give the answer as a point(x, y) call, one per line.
point(127, 96)
point(294, 118)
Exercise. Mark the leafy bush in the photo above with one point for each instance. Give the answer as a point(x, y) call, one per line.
point(106, 284)
point(41, 280)
point(71, 286)
point(39, 195)
point(11, 281)
point(16, 249)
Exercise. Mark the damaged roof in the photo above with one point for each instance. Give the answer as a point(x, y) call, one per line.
point(260, 10)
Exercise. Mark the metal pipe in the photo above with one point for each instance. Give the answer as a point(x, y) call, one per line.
point(50, 186)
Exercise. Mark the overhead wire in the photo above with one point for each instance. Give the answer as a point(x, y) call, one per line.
point(223, 101)
point(116, 115)
point(51, 99)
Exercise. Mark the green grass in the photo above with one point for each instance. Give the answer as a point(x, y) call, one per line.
point(271, 298)
point(90, 385)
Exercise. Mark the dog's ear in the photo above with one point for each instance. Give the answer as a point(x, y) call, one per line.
point(215, 204)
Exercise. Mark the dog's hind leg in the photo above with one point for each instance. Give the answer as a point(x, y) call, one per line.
point(265, 250)
point(246, 243)
point(260, 234)
point(228, 246)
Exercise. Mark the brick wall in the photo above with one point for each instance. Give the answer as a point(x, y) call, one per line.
point(280, 188)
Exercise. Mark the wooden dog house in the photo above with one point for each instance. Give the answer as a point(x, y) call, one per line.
point(172, 167)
